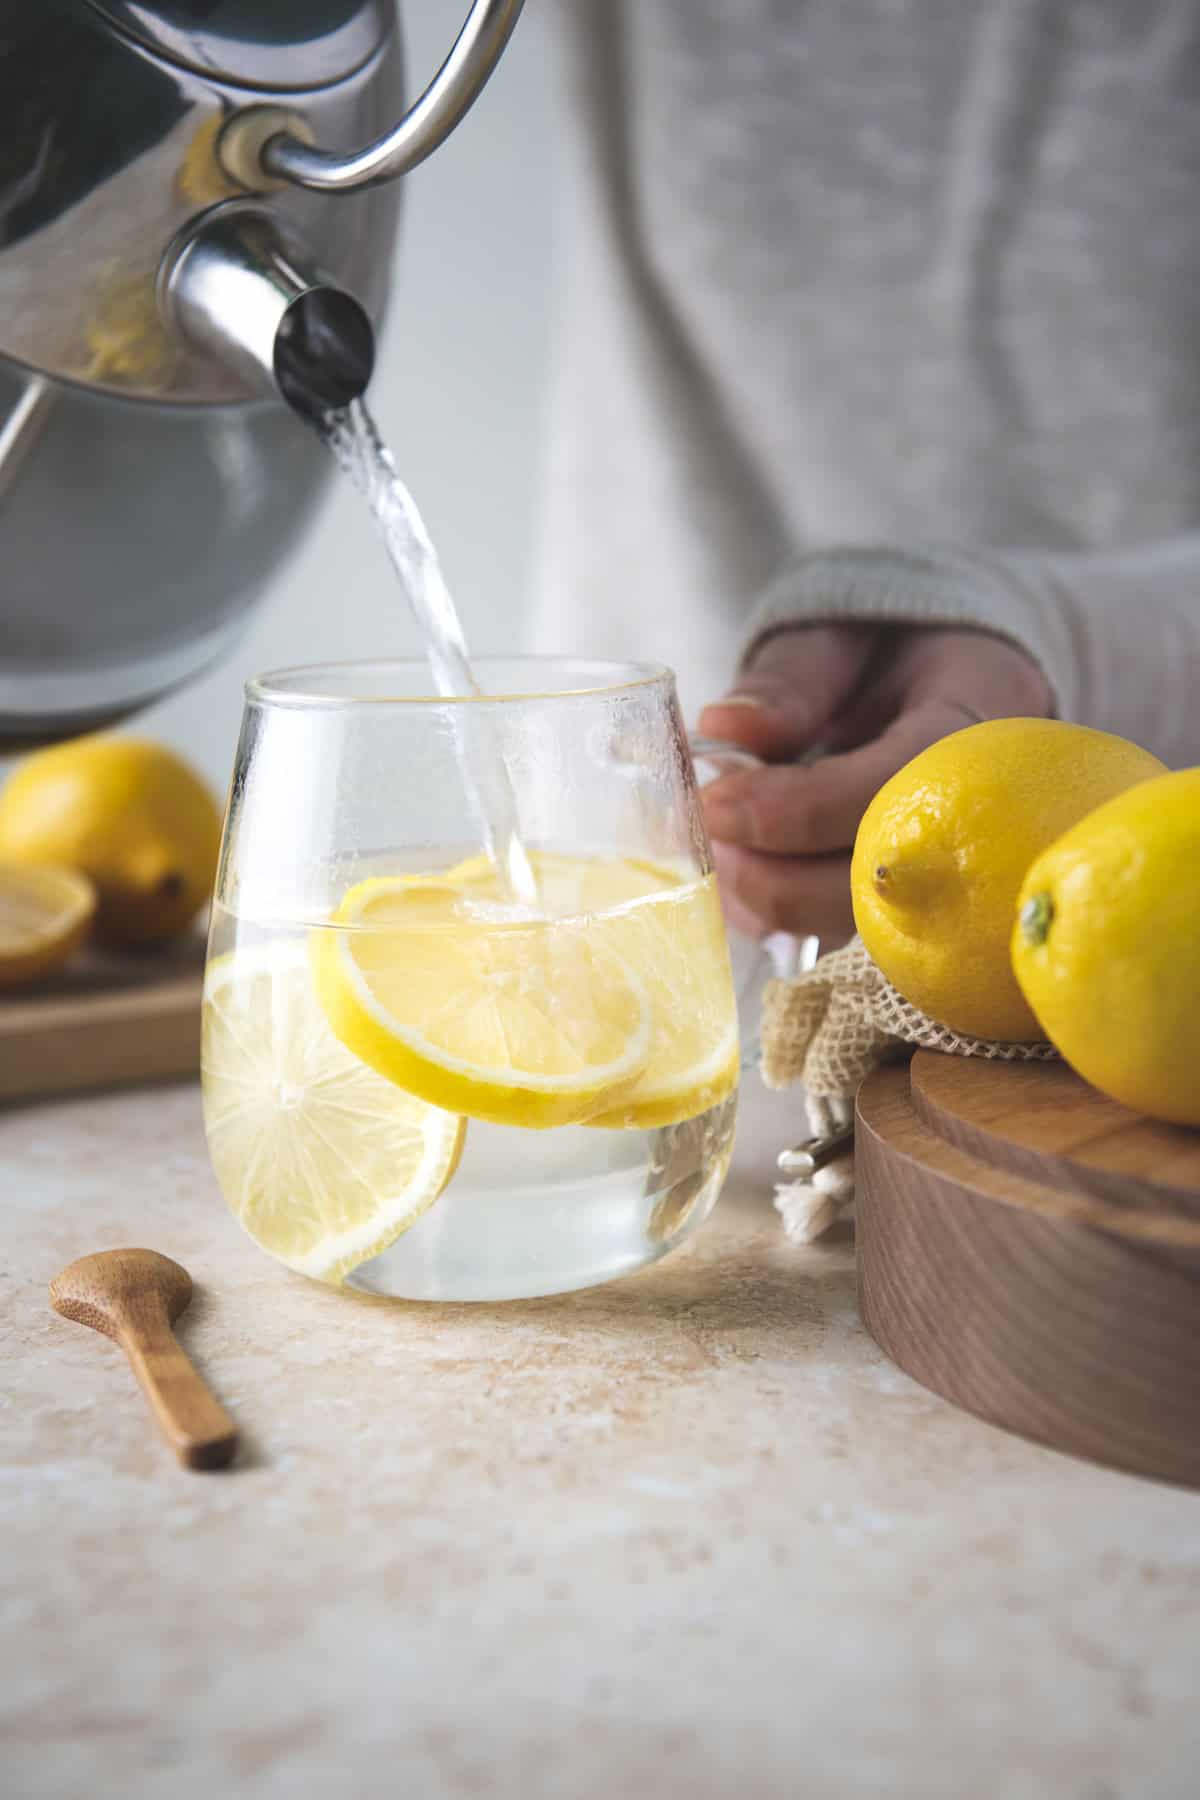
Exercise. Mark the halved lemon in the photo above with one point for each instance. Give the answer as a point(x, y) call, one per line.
point(45, 912)
point(528, 1021)
point(324, 1162)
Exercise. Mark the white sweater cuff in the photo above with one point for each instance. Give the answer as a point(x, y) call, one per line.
point(937, 586)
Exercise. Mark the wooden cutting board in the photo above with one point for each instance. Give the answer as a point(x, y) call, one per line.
point(106, 1021)
point(1031, 1251)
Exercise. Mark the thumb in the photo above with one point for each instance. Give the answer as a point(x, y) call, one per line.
point(795, 683)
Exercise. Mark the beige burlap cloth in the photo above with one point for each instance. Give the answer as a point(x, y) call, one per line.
point(828, 1028)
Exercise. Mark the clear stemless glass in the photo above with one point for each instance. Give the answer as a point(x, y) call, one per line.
point(435, 1073)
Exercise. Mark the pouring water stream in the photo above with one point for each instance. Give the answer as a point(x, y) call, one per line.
point(351, 435)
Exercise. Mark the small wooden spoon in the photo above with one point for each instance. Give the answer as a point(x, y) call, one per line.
point(135, 1296)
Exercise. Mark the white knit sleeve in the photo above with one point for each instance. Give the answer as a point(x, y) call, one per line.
point(1117, 635)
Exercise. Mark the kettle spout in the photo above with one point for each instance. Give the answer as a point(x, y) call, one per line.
point(235, 287)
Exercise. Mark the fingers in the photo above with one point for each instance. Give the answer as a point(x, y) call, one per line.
point(989, 677)
point(781, 835)
point(796, 683)
point(783, 893)
point(812, 811)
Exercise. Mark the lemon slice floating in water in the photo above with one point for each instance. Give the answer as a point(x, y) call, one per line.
point(324, 1162)
point(677, 944)
point(613, 1006)
point(667, 926)
point(520, 1020)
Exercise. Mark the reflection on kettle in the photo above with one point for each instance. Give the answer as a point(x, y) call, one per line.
point(184, 266)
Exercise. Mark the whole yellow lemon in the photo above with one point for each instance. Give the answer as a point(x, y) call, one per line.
point(129, 814)
point(1107, 946)
point(943, 848)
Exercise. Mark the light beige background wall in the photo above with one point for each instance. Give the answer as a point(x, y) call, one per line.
point(458, 394)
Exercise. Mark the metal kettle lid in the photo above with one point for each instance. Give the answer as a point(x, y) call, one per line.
point(257, 43)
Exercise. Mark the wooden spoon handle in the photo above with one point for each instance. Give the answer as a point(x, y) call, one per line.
point(196, 1426)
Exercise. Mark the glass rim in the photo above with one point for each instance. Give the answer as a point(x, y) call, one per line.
point(311, 685)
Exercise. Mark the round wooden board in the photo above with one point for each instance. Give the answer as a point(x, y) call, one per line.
point(1031, 1251)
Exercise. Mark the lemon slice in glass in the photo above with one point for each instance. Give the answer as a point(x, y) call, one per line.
point(676, 941)
point(45, 912)
point(464, 1001)
point(570, 885)
point(667, 926)
point(324, 1162)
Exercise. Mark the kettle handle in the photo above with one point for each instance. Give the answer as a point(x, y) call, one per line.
point(430, 119)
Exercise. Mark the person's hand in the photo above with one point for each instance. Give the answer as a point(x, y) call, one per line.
point(869, 697)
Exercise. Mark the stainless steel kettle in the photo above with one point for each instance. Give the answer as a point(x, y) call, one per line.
point(184, 266)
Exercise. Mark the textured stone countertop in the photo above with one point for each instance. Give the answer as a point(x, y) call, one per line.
point(688, 1535)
